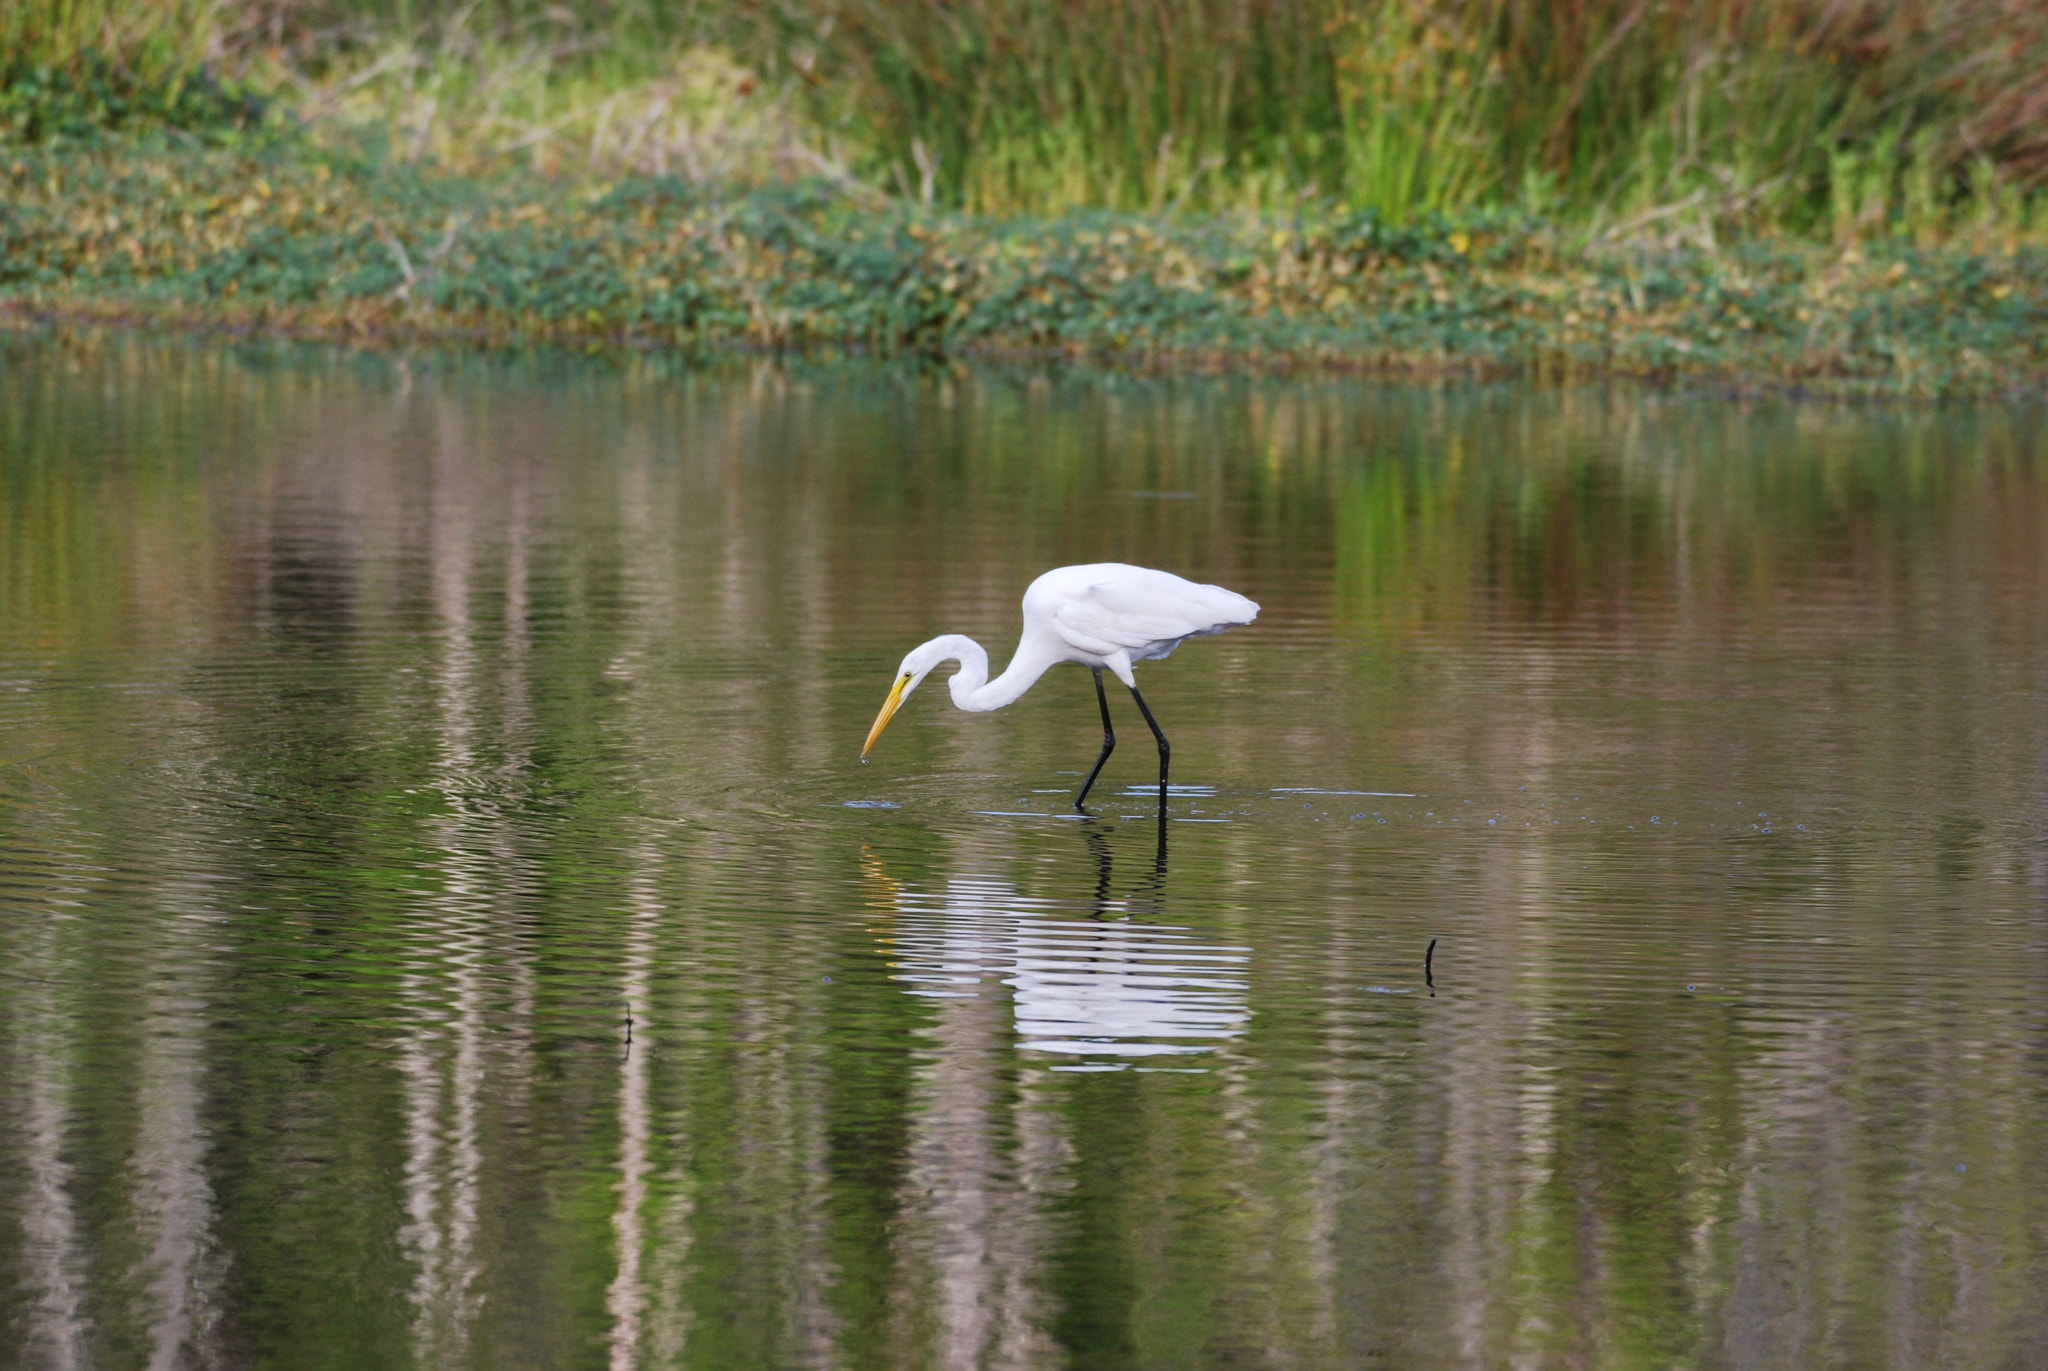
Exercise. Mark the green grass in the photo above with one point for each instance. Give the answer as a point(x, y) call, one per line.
point(1609, 109)
point(147, 37)
point(70, 67)
point(1830, 118)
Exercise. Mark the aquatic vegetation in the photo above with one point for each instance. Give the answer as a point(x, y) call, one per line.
point(360, 244)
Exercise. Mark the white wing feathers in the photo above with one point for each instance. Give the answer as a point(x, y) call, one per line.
point(1146, 615)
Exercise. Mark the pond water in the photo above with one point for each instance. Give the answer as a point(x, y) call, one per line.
point(444, 921)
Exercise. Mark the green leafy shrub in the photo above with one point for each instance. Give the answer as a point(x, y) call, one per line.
point(93, 92)
point(354, 245)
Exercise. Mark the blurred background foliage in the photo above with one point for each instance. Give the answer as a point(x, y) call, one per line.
point(1678, 119)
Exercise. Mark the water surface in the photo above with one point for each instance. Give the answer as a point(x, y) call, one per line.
point(444, 922)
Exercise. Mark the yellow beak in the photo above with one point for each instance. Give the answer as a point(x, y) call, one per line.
point(888, 708)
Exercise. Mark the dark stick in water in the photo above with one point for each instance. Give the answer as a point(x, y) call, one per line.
point(1429, 968)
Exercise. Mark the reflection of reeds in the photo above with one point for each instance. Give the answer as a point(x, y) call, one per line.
point(175, 1197)
point(1556, 1160)
point(52, 1325)
point(626, 1299)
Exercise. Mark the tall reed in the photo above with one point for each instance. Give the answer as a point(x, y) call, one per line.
point(145, 37)
point(1623, 107)
point(1680, 117)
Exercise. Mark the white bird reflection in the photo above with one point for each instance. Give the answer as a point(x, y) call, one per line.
point(988, 1155)
point(1080, 987)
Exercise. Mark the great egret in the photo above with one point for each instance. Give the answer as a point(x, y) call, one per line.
point(1105, 614)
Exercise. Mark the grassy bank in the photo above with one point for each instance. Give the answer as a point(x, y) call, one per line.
point(354, 244)
point(1843, 196)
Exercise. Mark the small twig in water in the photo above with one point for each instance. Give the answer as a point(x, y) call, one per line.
point(1429, 968)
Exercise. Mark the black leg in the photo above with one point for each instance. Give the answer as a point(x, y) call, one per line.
point(1165, 748)
point(1108, 738)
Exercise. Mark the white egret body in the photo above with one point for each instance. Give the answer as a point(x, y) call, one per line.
point(1102, 615)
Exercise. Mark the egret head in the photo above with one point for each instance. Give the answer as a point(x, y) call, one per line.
point(917, 664)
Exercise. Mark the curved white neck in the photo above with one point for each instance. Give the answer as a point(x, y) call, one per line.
point(972, 690)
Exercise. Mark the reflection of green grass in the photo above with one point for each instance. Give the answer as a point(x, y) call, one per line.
point(355, 243)
point(320, 782)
